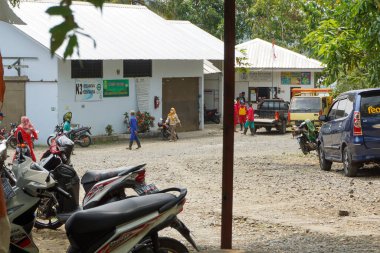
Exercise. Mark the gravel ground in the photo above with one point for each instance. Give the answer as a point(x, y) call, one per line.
point(283, 202)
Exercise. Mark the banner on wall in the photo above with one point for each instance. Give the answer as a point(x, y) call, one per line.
point(88, 90)
point(116, 88)
point(296, 78)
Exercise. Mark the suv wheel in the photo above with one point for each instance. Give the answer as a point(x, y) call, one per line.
point(323, 163)
point(283, 127)
point(350, 168)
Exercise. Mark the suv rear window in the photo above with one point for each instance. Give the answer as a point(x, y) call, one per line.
point(370, 105)
point(305, 103)
point(274, 105)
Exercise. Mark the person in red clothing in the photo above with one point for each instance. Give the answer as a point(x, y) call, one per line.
point(27, 131)
point(250, 120)
point(242, 114)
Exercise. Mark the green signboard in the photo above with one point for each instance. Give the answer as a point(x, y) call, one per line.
point(116, 88)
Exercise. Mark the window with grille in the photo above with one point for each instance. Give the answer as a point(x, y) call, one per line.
point(137, 68)
point(87, 69)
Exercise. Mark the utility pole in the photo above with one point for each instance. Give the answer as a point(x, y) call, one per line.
point(228, 118)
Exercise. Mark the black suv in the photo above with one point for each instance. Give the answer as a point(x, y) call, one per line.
point(272, 113)
point(351, 131)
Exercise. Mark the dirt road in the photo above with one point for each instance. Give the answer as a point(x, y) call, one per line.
point(283, 202)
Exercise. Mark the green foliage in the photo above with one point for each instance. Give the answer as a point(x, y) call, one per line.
point(283, 21)
point(348, 42)
point(109, 130)
point(144, 121)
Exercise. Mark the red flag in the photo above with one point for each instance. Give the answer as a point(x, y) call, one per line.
point(2, 82)
point(274, 52)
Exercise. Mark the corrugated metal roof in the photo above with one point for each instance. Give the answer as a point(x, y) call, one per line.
point(122, 32)
point(260, 56)
point(7, 15)
point(209, 68)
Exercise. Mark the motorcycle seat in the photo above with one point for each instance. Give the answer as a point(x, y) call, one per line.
point(93, 176)
point(73, 131)
point(107, 217)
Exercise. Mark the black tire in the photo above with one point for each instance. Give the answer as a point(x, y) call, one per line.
point(49, 139)
point(303, 146)
point(84, 140)
point(350, 168)
point(323, 163)
point(13, 142)
point(166, 245)
point(165, 134)
point(283, 127)
point(268, 129)
point(215, 119)
point(47, 220)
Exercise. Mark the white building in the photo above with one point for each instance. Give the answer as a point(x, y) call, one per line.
point(139, 59)
point(272, 71)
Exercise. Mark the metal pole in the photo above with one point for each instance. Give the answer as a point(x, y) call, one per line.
point(228, 133)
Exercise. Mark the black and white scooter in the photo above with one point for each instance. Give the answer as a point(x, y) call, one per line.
point(130, 225)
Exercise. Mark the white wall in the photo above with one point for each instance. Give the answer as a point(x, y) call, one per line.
point(98, 114)
point(169, 69)
point(41, 107)
point(242, 85)
point(14, 43)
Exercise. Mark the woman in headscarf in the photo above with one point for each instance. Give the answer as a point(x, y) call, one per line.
point(27, 131)
point(173, 120)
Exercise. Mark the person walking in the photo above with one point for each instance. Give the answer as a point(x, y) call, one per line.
point(67, 122)
point(236, 114)
point(250, 120)
point(242, 114)
point(27, 131)
point(173, 120)
point(133, 127)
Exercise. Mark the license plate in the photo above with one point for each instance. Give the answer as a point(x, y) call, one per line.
point(146, 189)
point(8, 190)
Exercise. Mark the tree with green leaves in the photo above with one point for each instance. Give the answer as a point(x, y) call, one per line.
point(348, 42)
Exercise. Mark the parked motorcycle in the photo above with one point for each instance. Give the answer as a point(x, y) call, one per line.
point(306, 135)
point(100, 186)
point(165, 129)
point(81, 135)
point(9, 136)
point(130, 225)
point(211, 115)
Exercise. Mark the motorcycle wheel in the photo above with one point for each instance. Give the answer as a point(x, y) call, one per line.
point(47, 220)
point(166, 245)
point(49, 139)
point(215, 119)
point(84, 140)
point(165, 134)
point(303, 146)
point(13, 142)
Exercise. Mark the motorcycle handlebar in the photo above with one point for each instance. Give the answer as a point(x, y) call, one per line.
point(63, 192)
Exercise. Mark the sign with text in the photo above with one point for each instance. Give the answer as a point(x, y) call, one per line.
point(116, 88)
point(296, 78)
point(88, 90)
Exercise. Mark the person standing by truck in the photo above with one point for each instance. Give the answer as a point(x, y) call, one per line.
point(250, 120)
point(242, 114)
